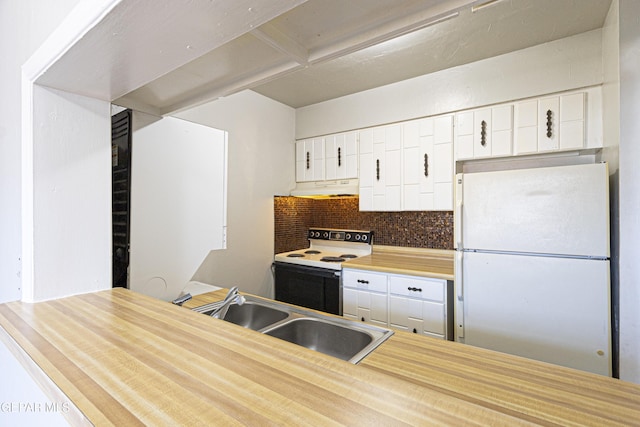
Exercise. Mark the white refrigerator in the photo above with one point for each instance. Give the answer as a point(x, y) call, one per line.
point(532, 264)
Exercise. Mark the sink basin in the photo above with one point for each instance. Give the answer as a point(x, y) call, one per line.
point(328, 338)
point(335, 336)
point(252, 315)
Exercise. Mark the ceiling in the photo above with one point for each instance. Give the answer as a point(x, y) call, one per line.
point(324, 49)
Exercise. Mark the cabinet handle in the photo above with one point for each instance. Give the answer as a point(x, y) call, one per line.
point(549, 123)
point(339, 156)
point(377, 169)
point(308, 161)
point(363, 281)
point(426, 164)
point(415, 331)
point(362, 318)
point(414, 289)
point(483, 133)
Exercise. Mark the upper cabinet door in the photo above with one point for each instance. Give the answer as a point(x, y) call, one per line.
point(553, 123)
point(548, 118)
point(380, 168)
point(428, 164)
point(341, 151)
point(572, 113)
point(482, 133)
point(486, 132)
point(417, 153)
point(502, 130)
point(310, 160)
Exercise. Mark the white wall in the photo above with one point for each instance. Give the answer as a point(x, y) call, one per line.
point(610, 154)
point(68, 171)
point(178, 202)
point(261, 165)
point(24, 25)
point(564, 64)
point(629, 190)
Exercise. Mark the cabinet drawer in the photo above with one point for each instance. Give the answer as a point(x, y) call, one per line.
point(363, 280)
point(427, 289)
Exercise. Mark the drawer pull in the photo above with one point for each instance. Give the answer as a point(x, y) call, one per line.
point(415, 331)
point(363, 281)
point(414, 289)
point(362, 318)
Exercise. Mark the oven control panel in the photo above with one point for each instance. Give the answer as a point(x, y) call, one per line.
point(354, 236)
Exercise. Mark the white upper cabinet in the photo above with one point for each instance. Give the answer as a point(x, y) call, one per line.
point(341, 152)
point(554, 123)
point(328, 158)
point(310, 160)
point(486, 132)
point(380, 168)
point(428, 164)
point(532, 126)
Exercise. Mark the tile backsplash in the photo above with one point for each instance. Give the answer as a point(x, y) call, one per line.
point(420, 229)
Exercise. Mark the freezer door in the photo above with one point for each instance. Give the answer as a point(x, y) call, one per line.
point(555, 310)
point(554, 210)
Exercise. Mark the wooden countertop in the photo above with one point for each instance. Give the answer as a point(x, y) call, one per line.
point(417, 262)
point(126, 359)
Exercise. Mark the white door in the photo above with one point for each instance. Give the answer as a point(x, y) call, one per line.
point(550, 309)
point(556, 210)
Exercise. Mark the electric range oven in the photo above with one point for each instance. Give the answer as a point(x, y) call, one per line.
point(311, 277)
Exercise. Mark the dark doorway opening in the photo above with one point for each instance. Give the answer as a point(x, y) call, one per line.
point(120, 195)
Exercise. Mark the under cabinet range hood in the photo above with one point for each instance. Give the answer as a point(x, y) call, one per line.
point(325, 189)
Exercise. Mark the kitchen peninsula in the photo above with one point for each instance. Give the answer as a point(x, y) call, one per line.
point(123, 358)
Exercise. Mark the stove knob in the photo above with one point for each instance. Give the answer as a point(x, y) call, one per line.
point(357, 237)
point(325, 235)
point(317, 234)
point(364, 237)
point(347, 237)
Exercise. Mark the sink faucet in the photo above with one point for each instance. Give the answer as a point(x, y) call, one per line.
point(232, 297)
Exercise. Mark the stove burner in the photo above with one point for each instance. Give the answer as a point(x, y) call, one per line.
point(348, 256)
point(312, 252)
point(295, 256)
point(332, 259)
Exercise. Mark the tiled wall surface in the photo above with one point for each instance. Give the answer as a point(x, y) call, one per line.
point(294, 215)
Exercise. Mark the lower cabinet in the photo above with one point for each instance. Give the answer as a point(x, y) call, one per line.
point(365, 298)
point(410, 303)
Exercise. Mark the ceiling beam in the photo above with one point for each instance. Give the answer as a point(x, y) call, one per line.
point(137, 41)
point(388, 27)
point(226, 87)
point(274, 37)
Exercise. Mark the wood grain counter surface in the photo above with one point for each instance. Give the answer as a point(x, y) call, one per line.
point(126, 359)
point(437, 264)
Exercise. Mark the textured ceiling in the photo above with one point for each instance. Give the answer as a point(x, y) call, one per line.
point(324, 49)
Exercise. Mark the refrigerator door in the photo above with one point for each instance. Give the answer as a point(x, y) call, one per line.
point(550, 309)
point(560, 210)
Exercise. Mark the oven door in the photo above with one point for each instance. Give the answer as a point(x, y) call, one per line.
point(311, 287)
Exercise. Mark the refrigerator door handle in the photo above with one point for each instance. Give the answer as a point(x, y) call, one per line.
point(459, 307)
point(457, 215)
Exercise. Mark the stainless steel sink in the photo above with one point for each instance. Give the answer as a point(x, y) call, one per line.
point(343, 342)
point(338, 337)
point(252, 314)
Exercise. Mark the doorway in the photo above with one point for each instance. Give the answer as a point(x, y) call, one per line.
point(120, 196)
